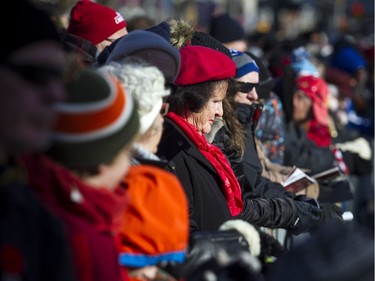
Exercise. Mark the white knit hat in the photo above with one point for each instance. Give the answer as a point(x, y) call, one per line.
point(146, 84)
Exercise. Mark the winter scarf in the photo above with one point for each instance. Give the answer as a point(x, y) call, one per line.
point(319, 133)
point(230, 185)
point(91, 216)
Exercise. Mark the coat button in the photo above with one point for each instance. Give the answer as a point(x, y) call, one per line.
point(180, 143)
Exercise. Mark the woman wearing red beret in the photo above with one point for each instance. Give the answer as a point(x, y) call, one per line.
point(213, 191)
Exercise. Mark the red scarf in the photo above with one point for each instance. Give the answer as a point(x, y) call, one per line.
point(319, 133)
point(230, 185)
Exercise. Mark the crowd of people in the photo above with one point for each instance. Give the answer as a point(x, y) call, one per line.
point(161, 152)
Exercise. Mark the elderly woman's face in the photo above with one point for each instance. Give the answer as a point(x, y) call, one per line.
point(203, 120)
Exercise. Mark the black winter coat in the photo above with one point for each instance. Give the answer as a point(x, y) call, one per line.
point(248, 168)
point(207, 205)
point(303, 153)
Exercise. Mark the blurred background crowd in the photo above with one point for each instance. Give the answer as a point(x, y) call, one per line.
point(269, 29)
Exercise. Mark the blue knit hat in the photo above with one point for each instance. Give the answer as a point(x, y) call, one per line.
point(244, 63)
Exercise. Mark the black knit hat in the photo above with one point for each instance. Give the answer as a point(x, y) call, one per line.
point(266, 81)
point(226, 29)
point(37, 26)
point(206, 40)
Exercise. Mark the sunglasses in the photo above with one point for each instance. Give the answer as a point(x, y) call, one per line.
point(246, 87)
point(36, 74)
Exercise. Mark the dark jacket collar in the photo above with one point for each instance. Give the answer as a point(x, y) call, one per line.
point(174, 140)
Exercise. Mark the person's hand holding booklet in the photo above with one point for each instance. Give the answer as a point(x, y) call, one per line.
point(298, 179)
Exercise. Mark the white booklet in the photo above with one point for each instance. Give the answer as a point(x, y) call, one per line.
point(329, 174)
point(297, 181)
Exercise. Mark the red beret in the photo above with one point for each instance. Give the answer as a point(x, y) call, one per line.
point(94, 22)
point(201, 64)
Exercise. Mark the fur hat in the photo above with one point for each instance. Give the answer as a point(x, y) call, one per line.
point(244, 63)
point(226, 29)
point(94, 22)
point(156, 221)
point(150, 47)
point(176, 31)
point(201, 64)
point(38, 27)
point(146, 84)
point(95, 122)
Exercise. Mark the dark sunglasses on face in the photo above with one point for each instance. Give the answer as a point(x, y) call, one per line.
point(246, 87)
point(36, 74)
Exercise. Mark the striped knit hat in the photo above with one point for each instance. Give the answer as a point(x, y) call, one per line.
point(244, 63)
point(95, 122)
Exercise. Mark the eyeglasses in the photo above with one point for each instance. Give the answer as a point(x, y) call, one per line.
point(246, 87)
point(36, 74)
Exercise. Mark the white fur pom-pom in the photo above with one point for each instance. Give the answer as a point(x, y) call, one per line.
point(248, 232)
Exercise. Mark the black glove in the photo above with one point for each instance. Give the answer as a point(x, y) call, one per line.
point(309, 217)
point(331, 213)
point(271, 252)
point(270, 247)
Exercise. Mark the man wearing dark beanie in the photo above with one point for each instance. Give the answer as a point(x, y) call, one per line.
point(229, 32)
point(32, 241)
